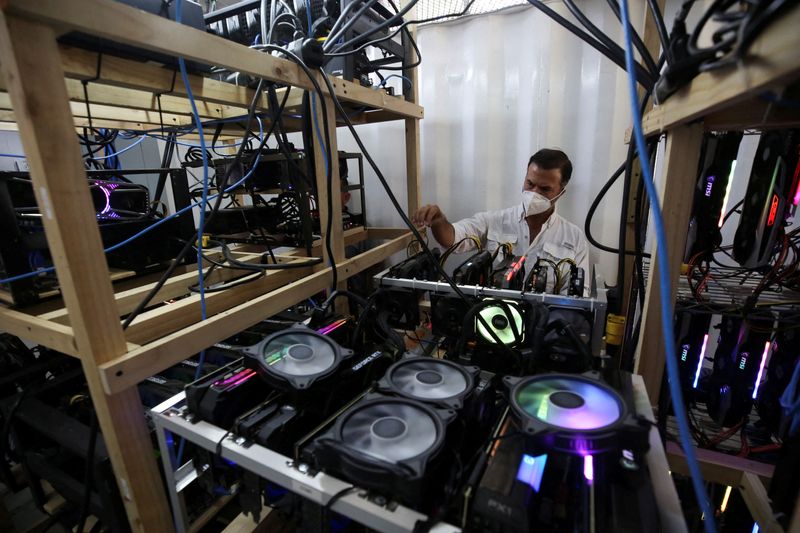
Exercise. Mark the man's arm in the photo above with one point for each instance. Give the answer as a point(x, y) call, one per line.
point(433, 217)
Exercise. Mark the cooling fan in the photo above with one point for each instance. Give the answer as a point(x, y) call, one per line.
point(295, 358)
point(430, 380)
point(575, 414)
point(504, 320)
point(385, 444)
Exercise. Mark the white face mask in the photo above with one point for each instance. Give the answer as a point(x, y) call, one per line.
point(535, 203)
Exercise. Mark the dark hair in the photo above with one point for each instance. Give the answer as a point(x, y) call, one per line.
point(548, 159)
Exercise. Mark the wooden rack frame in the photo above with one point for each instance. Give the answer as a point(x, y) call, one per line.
point(726, 99)
point(42, 96)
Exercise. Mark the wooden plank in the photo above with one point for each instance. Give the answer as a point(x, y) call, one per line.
point(757, 501)
point(320, 159)
point(752, 114)
point(681, 159)
point(320, 171)
point(121, 23)
point(718, 467)
point(246, 524)
point(115, 71)
point(176, 286)
point(210, 512)
point(131, 368)
point(56, 336)
point(385, 233)
point(101, 111)
point(413, 166)
point(669, 506)
point(652, 43)
point(79, 122)
point(154, 324)
point(35, 80)
point(412, 131)
point(772, 61)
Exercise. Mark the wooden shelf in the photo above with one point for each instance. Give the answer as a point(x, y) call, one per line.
point(773, 61)
point(43, 96)
point(726, 99)
point(124, 94)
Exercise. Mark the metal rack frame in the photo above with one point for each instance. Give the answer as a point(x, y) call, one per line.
point(319, 488)
point(596, 305)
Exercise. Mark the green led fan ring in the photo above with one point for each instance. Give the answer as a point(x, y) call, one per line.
point(497, 319)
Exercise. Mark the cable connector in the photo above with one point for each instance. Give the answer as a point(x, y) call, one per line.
point(309, 50)
point(576, 281)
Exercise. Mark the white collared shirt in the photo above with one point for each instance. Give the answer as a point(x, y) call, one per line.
point(558, 239)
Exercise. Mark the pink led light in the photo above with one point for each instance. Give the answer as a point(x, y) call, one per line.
point(700, 362)
point(331, 327)
point(247, 377)
point(234, 378)
point(588, 468)
point(761, 368)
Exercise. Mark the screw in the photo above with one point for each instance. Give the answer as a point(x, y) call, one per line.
point(303, 468)
point(239, 441)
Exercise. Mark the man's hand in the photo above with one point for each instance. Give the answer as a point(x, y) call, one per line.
point(432, 217)
point(427, 215)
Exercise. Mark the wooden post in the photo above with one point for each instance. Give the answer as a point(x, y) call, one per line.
point(337, 231)
point(681, 159)
point(31, 66)
point(758, 503)
point(653, 45)
point(412, 128)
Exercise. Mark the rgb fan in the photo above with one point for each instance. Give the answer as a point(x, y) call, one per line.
point(575, 414)
point(296, 357)
point(385, 444)
point(504, 320)
point(430, 380)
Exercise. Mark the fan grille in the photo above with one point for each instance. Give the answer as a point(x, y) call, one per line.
point(429, 379)
point(390, 431)
point(569, 402)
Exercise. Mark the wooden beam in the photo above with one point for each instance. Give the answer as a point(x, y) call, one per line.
point(124, 24)
point(176, 286)
point(211, 95)
point(56, 336)
point(652, 43)
point(752, 114)
point(35, 80)
point(771, 61)
point(166, 319)
point(718, 467)
point(758, 503)
point(100, 111)
point(321, 164)
point(385, 233)
point(128, 370)
point(681, 159)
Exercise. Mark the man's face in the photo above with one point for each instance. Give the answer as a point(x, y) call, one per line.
point(545, 182)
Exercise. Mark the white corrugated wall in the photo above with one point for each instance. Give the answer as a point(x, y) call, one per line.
point(495, 89)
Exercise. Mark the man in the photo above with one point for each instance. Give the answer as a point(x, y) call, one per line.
point(531, 226)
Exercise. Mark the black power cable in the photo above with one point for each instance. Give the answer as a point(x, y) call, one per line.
point(644, 77)
point(606, 40)
point(637, 40)
point(587, 225)
point(327, 150)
